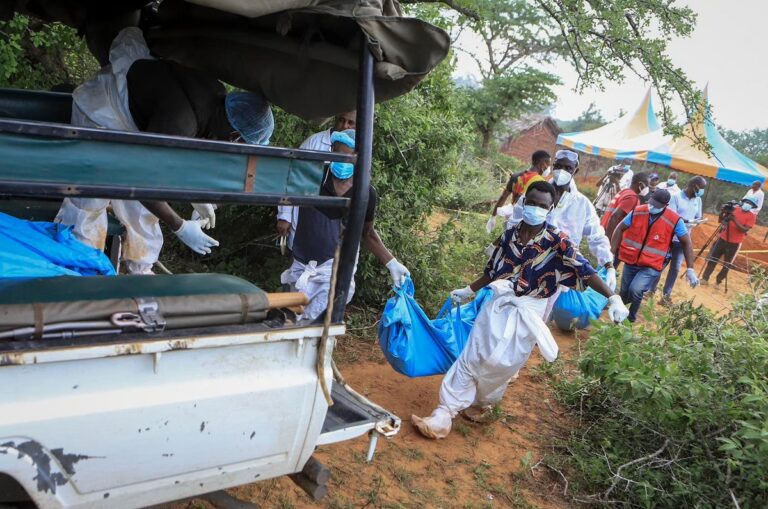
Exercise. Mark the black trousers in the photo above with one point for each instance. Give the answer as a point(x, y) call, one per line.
point(724, 250)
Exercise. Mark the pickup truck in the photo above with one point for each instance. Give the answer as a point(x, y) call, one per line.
point(131, 391)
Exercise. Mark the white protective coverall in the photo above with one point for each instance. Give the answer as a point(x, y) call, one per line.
point(576, 216)
point(500, 343)
point(322, 143)
point(102, 102)
point(314, 281)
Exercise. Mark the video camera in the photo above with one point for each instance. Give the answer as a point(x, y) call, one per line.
point(729, 206)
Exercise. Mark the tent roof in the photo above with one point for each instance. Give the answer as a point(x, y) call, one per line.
point(609, 139)
point(723, 162)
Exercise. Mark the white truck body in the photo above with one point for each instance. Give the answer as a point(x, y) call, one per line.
point(132, 424)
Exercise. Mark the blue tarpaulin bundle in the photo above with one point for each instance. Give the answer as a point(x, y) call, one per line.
point(41, 249)
point(575, 309)
point(415, 345)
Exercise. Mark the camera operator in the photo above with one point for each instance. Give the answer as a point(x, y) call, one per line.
point(736, 220)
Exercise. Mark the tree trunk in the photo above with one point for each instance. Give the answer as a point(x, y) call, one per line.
point(487, 136)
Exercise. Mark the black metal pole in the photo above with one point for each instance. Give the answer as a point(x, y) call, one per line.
point(363, 143)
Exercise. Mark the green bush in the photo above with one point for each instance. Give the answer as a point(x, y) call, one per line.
point(674, 414)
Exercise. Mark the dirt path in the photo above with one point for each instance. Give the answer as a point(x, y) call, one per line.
point(477, 466)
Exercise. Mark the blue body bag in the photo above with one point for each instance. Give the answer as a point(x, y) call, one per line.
point(574, 310)
point(415, 345)
point(41, 249)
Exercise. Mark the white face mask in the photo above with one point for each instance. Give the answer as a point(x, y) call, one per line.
point(534, 215)
point(547, 172)
point(562, 177)
point(645, 191)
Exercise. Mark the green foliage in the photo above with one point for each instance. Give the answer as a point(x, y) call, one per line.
point(589, 119)
point(40, 55)
point(753, 143)
point(676, 414)
point(507, 96)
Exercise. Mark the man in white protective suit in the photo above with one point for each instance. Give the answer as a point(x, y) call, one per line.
point(574, 215)
point(529, 263)
point(136, 92)
point(287, 215)
point(318, 232)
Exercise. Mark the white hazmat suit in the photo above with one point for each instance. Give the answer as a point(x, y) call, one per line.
point(500, 343)
point(102, 102)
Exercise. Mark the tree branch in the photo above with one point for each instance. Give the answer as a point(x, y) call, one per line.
point(469, 13)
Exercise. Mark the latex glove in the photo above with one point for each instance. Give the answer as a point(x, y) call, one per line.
point(462, 294)
point(690, 275)
point(205, 211)
point(191, 234)
point(490, 249)
point(398, 271)
point(610, 279)
point(617, 311)
point(490, 225)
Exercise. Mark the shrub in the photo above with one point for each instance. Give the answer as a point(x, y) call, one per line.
point(674, 414)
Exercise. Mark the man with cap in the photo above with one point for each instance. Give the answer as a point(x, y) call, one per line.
point(624, 203)
point(288, 215)
point(757, 196)
point(139, 93)
point(688, 205)
point(671, 184)
point(574, 215)
point(653, 182)
point(626, 179)
point(735, 225)
point(318, 232)
point(643, 242)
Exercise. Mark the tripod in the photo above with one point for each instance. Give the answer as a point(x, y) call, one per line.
point(723, 226)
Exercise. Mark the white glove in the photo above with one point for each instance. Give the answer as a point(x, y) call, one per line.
point(690, 275)
point(617, 311)
point(205, 212)
point(610, 279)
point(398, 272)
point(462, 294)
point(490, 225)
point(191, 234)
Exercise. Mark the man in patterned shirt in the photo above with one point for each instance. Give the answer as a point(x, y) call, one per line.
point(526, 267)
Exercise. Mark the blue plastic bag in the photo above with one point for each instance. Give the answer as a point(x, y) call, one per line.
point(575, 309)
point(42, 249)
point(416, 346)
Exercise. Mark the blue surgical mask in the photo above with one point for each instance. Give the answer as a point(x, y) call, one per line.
point(533, 215)
point(746, 207)
point(655, 210)
point(699, 193)
point(342, 171)
point(627, 167)
point(671, 182)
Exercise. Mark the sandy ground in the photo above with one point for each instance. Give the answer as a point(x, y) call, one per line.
point(477, 466)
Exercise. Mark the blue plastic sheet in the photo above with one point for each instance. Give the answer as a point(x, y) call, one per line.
point(575, 309)
point(415, 345)
point(41, 249)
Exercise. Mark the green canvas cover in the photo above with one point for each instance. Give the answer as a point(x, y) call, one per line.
point(138, 165)
point(301, 54)
point(185, 300)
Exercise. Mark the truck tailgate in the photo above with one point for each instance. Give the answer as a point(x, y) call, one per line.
point(352, 415)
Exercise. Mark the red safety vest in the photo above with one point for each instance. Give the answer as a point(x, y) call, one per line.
point(614, 205)
point(647, 245)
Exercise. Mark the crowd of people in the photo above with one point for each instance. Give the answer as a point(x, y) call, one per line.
point(645, 223)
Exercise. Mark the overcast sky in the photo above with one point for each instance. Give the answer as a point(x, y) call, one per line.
point(727, 50)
